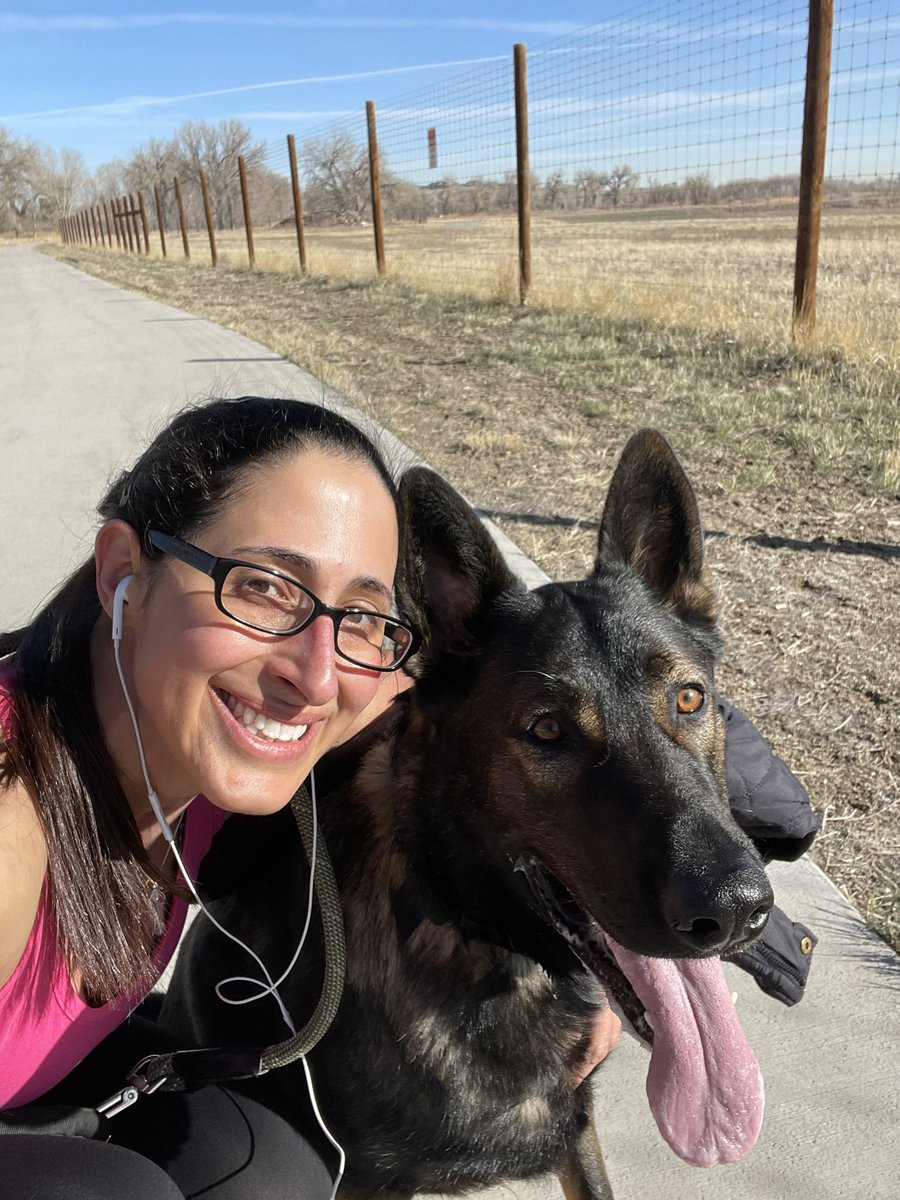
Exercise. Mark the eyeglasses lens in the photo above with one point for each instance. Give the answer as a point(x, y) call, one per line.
point(267, 601)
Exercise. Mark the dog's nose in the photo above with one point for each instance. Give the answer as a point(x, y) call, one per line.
point(712, 913)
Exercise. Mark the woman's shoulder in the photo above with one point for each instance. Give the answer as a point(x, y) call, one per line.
point(23, 865)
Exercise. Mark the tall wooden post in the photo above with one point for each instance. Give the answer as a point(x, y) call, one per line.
point(127, 224)
point(207, 208)
point(99, 210)
point(160, 220)
point(245, 200)
point(812, 166)
point(87, 225)
point(179, 204)
point(117, 222)
point(523, 172)
point(144, 222)
point(109, 235)
point(375, 182)
point(298, 205)
point(94, 226)
point(133, 222)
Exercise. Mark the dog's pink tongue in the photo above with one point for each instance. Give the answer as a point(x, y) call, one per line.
point(704, 1083)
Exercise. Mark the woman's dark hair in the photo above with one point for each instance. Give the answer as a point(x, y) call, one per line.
point(97, 866)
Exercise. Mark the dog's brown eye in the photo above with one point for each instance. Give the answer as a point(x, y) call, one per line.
point(689, 700)
point(547, 729)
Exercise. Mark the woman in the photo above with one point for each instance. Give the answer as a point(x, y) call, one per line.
point(249, 553)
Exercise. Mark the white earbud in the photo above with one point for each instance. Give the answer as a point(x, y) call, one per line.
point(119, 606)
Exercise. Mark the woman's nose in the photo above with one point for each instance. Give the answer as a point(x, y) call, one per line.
point(307, 661)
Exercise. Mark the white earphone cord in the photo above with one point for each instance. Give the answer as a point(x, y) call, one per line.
point(270, 988)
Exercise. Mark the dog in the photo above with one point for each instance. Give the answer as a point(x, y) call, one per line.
point(539, 827)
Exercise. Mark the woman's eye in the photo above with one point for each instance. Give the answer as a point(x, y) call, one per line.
point(546, 729)
point(359, 620)
point(689, 700)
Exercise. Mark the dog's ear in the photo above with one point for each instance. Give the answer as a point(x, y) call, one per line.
point(651, 523)
point(450, 567)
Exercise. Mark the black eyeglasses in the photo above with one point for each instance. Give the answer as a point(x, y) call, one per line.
point(266, 600)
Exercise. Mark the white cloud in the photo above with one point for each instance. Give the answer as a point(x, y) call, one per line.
point(126, 105)
point(23, 23)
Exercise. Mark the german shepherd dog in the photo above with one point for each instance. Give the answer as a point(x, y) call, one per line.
point(539, 826)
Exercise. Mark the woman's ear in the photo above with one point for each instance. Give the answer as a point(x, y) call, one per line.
point(117, 554)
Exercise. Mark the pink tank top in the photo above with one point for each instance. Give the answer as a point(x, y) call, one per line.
point(45, 1028)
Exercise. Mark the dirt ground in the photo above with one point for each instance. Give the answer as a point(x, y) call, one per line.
point(806, 557)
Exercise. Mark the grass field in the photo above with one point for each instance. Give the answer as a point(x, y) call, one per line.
point(795, 457)
point(716, 271)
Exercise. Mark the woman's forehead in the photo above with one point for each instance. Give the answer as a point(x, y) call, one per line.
point(318, 510)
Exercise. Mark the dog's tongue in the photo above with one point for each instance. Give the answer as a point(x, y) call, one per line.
point(704, 1083)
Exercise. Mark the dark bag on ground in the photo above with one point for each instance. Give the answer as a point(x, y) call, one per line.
point(771, 805)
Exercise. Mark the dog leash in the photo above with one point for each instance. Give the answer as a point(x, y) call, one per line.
point(187, 1070)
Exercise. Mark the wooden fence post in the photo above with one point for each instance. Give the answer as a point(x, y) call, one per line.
point(144, 222)
point(109, 236)
point(523, 172)
point(133, 208)
point(298, 205)
point(375, 182)
point(100, 224)
point(94, 229)
point(117, 223)
point(812, 166)
point(127, 224)
point(181, 224)
point(245, 200)
point(160, 220)
point(207, 208)
point(87, 223)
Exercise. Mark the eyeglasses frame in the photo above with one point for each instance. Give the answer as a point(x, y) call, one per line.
point(218, 568)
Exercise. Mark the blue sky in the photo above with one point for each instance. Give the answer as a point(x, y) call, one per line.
point(104, 77)
point(672, 87)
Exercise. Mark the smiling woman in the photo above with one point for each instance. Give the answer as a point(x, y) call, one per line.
point(242, 577)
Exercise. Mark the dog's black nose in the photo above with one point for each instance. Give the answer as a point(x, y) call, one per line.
point(712, 912)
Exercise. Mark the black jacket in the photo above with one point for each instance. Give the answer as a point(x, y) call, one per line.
point(772, 806)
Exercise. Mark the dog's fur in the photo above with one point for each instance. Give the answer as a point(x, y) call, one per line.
point(544, 726)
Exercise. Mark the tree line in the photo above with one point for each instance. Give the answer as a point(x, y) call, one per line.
point(39, 186)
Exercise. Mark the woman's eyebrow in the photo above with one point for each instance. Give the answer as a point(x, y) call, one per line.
point(292, 558)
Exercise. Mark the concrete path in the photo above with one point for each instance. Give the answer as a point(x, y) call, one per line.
point(87, 373)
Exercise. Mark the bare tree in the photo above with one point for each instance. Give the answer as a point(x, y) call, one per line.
point(19, 170)
point(619, 180)
point(590, 186)
point(337, 179)
point(698, 188)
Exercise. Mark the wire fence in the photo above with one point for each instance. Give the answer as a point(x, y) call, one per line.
point(663, 175)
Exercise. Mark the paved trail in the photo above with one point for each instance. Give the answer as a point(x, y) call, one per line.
point(87, 372)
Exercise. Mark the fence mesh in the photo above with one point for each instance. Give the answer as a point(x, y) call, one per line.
point(664, 157)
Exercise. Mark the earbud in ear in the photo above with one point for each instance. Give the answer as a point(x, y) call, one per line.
point(118, 607)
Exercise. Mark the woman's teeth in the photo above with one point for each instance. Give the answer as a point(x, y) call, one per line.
point(276, 731)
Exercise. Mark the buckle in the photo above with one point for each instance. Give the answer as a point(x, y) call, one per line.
point(137, 1084)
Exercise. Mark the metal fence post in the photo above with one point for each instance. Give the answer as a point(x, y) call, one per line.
point(132, 220)
point(812, 166)
point(245, 200)
point(523, 173)
point(375, 182)
point(207, 208)
point(181, 222)
point(298, 205)
point(109, 236)
point(127, 224)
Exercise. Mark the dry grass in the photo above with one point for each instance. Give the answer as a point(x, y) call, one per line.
point(526, 411)
point(726, 273)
